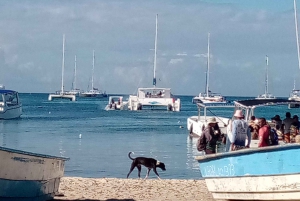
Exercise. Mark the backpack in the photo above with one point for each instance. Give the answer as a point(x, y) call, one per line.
point(273, 137)
point(201, 143)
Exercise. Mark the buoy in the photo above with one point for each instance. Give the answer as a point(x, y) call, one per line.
point(79, 136)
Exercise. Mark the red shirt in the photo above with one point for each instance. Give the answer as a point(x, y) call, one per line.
point(263, 136)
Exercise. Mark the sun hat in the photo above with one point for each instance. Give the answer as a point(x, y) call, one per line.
point(295, 116)
point(276, 118)
point(211, 120)
point(238, 113)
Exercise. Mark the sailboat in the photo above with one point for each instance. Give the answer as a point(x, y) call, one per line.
point(154, 97)
point(295, 93)
point(94, 92)
point(208, 96)
point(266, 95)
point(62, 94)
point(74, 91)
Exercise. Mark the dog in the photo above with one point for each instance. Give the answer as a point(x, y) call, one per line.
point(149, 163)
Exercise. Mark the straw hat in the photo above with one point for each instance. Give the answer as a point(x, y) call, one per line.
point(212, 120)
point(238, 113)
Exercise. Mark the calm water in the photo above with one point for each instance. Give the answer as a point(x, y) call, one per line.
point(107, 136)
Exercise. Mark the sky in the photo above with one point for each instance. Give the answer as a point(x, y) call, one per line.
point(122, 34)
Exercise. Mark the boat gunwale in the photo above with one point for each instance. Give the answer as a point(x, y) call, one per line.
point(33, 154)
point(247, 151)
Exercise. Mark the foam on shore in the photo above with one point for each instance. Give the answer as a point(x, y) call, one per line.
point(77, 188)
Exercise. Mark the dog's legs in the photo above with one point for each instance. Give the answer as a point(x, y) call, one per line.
point(147, 173)
point(154, 170)
point(131, 169)
point(139, 170)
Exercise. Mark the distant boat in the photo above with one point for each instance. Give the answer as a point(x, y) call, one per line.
point(295, 94)
point(74, 90)
point(62, 93)
point(208, 96)
point(153, 97)
point(266, 95)
point(94, 92)
point(116, 103)
point(26, 176)
point(10, 104)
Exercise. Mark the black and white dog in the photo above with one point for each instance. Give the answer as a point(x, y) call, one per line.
point(149, 163)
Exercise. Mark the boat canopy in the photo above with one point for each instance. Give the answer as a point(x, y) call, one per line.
point(6, 91)
point(263, 102)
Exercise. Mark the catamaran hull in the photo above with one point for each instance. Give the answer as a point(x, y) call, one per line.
point(29, 176)
point(170, 104)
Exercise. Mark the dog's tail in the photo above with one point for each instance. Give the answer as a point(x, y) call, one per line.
point(130, 156)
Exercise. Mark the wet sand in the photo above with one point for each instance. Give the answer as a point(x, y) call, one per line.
point(95, 189)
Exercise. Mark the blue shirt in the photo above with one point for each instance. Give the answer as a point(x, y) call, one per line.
point(240, 131)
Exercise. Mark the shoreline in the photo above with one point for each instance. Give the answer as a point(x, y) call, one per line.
point(95, 189)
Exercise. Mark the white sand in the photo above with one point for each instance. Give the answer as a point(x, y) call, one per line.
point(77, 188)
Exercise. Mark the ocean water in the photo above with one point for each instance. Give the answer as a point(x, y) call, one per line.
point(107, 136)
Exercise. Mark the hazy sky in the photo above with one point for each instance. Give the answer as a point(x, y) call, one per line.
point(122, 32)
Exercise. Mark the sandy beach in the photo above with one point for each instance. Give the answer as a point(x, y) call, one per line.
point(94, 189)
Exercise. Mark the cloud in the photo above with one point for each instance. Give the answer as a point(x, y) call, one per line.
point(122, 34)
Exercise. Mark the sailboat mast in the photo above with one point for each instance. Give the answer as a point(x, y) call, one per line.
point(75, 68)
point(267, 76)
point(207, 72)
point(155, 52)
point(297, 36)
point(93, 70)
point(63, 66)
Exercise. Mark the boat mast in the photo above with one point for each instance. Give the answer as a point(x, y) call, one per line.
point(207, 72)
point(297, 37)
point(63, 66)
point(93, 70)
point(155, 51)
point(267, 76)
point(74, 82)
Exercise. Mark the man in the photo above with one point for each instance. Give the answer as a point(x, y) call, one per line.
point(209, 137)
point(286, 124)
point(240, 131)
point(263, 133)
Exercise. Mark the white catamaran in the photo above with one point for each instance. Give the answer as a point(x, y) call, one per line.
point(154, 98)
point(62, 94)
point(208, 96)
point(266, 95)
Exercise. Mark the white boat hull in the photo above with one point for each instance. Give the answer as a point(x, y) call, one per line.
point(70, 97)
point(195, 125)
point(28, 176)
point(277, 187)
point(135, 103)
point(11, 112)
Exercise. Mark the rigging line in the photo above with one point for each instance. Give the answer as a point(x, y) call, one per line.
point(217, 117)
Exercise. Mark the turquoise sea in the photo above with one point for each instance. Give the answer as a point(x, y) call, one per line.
point(107, 136)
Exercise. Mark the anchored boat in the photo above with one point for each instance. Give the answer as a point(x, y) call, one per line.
point(154, 98)
point(10, 104)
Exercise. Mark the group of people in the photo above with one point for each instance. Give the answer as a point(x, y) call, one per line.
point(240, 133)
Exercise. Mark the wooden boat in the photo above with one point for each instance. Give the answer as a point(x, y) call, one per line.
point(26, 176)
point(269, 173)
